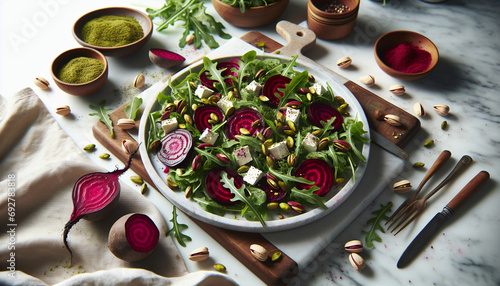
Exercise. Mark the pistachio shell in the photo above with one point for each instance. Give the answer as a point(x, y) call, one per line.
point(357, 261)
point(442, 109)
point(259, 252)
point(129, 146)
point(418, 109)
point(392, 119)
point(189, 39)
point(199, 254)
point(63, 110)
point(354, 246)
point(402, 186)
point(41, 83)
point(368, 80)
point(139, 81)
point(397, 89)
point(126, 123)
point(344, 62)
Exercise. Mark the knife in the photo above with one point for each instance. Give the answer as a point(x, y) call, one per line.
point(300, 38)
point(428, 232)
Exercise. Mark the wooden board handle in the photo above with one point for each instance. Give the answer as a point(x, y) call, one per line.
point(472, 187)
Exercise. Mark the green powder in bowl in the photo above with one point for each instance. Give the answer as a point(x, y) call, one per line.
point(81, 70)
point(112, 31)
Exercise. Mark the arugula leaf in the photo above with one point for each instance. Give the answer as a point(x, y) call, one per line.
point(287, 178)
point(193, 14)
point(215, 73)
point(247, 61)
point(308, 196)
point(155, 132)
point(298, 80)
point(239, 194)
point(289, 67)
point(371, 235)
point(103, 115)
point(132, 107)
point(177, 228)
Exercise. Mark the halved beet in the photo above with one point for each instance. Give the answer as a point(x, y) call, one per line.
point(202, 116)
point(165, 59)
point(215, 188)
point(317, 112)
point(243, 118)
point(319, 172)
point(271, 88)
point(272, 194)
point(175, 147)
point(206, 81)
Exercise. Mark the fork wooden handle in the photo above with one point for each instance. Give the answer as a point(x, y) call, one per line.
point(480, 179)
point(440, 161)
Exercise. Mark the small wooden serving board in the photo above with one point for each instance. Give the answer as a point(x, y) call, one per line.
point(238, 243)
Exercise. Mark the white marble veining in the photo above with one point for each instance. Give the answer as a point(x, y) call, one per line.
point(466, 33)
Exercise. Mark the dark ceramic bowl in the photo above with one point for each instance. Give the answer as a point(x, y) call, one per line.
point(142, 18)
point(82, 88)
point(395, 38)
point(253, 17)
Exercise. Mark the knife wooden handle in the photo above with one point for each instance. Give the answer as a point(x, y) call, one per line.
point(480, 179)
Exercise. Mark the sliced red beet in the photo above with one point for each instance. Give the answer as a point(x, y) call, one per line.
point(94, 196)
point(317, 171)
point(202, 116)
point(272, 194)
point(165, 59)
point(175, 147)
point(215, 188)
point(205, 76)
point(243, 118)
point(271, 88)
point(317, 112)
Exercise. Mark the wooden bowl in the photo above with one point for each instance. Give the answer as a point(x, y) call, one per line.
point(395, 38)
point(331, 26)
point(253, 17)
point(82, 88)
point(141, 17)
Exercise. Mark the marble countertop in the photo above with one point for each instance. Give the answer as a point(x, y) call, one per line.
point(466, 34)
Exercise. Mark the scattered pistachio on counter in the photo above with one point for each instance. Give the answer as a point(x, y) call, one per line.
point(354, 246)
point(368, 80)
point(259, 252)
point(344, 62)
point(63, 110)
point(418, 109)
point(429, 143)
point(144, 189)
point(41, 83)
point(137, 180)
point(219, 267)
point(379, 115)
point(442, 109)
point(444, 125)
point(104, 156)
point(392, 119)
point(276, 256)
point(402, 186)
point(189, 39)
point(89, 147)
point(397, 89)
point(199, 254)
point(357, 261)
point(139, 81)
point(418, 165)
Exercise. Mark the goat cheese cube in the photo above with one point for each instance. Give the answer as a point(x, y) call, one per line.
point(279, 150)
point(293, 115)
point(169, 125)
point(242, 155)
point(310, 142)
point(254, 88)
point(224, 104)
point(253, 175)
point(208, 136)
point(318, 88)
point(203, 91)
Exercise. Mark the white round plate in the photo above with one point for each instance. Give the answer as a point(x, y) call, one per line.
point(156, 169)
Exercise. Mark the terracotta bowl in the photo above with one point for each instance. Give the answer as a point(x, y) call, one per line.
point(253, 17)
point(82, 88)
point(141, 17)
point(395, 38)
point(331, 26)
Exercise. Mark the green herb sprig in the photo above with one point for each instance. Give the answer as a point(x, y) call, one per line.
point(176, 229)
point(103, 116)
point(132, 107)
point(380, 215)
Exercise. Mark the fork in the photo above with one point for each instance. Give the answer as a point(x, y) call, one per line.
point(440, 161)
point(417, 207)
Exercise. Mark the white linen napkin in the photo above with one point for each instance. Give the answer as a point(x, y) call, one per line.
point(39, 164)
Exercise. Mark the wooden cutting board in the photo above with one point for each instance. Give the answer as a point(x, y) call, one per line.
point(238, 243)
